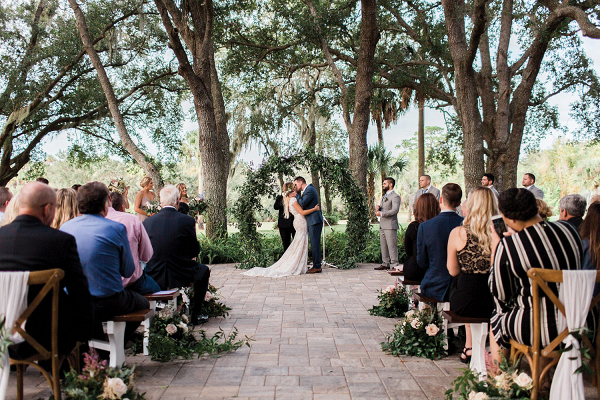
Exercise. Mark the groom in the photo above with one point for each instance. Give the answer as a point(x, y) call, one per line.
point(307, 200)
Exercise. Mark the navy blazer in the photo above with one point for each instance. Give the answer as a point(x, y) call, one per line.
point(308, 200)
point(432, 253)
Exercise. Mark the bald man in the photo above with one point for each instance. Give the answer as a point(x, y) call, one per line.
point(29, 244)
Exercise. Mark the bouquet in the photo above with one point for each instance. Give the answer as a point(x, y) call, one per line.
point(509, 384)
point(99, 382)
point(152, 207)
point(393, 302)
point(418, 334)
point(117, 185)
point(197, 206)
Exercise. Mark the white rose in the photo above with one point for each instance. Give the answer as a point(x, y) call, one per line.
point(502, 381)
point(416, 323)
point(410, 315)
point(472, 395)
point(183, 326)
point(115, 388)
point(389, 289)
point(185, 318)
point(207, 296)
point(523, 380)
point(481, 396)
point(432, 330)
point(171, 329)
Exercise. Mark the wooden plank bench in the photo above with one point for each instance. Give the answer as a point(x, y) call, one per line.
point(115, 329)
point(479, 332)
point(167, 296)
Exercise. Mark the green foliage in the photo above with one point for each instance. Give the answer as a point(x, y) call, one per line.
point(99, 382)
point(336, 242)
point(418, 334)
point(226, 250)
point(212, 307)
point(4, 334)
point(510, 384)
point(171, 337)
point(261, 182)
point(393, 302)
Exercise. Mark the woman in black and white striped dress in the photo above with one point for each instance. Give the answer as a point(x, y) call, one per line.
point(535, 243)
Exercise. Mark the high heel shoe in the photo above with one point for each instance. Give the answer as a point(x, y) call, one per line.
point(467, 358)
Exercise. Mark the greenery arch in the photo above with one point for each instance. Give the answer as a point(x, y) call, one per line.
point(262, 182)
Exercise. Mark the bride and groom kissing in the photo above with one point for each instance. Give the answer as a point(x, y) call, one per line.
point(301, 201)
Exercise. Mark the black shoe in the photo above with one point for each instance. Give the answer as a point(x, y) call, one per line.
point(199, 319)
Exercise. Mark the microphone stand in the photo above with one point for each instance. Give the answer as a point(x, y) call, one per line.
point(323, 262)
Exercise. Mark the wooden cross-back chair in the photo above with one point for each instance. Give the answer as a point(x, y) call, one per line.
point(539, 279)
point(51, 281)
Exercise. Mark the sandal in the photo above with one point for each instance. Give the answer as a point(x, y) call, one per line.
point(467, 358)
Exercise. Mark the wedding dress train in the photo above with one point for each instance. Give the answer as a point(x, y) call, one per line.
point(293, 261)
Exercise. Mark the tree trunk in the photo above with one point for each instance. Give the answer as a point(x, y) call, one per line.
point(421, 135)
point(328, 204)
point(371, 196)
point(314, 172)
point(369, 36)
point(379, 124)
point(113, 104)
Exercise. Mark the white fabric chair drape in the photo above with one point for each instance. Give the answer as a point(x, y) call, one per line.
point(13, 301)
point(576, 294)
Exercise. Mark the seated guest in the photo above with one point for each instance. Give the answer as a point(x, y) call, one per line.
point(29, 244)
point(432, 244)
point(11, 212)
point(139, 243)
point(105, 256)
point(544, 210)
point(43, 180)
point(183, 199)
point(66, 207)
point(572, 209)
point(5, 196)
point(469, 252)
point(173, 237)
point(590, 237)
point(426, 207)
point(531, 243)
point(76, 187)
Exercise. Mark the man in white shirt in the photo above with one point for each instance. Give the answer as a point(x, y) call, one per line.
point(529, 184)
point(488, 182)
point(5, 196)
point(425, 187)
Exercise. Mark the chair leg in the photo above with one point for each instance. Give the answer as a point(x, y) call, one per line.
point(479, 333)
point(535, 374)
point(146, 324)
point(20, 371)
point(116, 339)
point(56, 376)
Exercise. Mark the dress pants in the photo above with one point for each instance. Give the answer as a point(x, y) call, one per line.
point(314, 233)
point(144, 285)
point(389, 246)
point(200, 288)
point(124, 302)
point(286, 236)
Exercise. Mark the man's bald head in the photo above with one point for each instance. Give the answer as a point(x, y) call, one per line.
point(38, 200)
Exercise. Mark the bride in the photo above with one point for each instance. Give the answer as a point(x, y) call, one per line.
point(294, 260)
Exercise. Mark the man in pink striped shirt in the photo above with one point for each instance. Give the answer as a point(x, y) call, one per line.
point(139, 243)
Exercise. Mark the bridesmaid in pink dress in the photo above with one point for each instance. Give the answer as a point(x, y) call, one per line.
point(144, 196)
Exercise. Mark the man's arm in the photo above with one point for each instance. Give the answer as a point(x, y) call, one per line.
point(395, 207)
point(127, 266)
point(422, 258)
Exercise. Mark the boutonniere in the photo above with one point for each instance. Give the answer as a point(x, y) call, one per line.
point(386, 199)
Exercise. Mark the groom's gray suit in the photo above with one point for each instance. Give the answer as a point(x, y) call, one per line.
point(388, 228)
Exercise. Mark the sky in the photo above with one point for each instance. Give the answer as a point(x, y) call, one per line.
point(405, 128)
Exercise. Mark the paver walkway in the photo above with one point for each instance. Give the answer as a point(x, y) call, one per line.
point(314, 339)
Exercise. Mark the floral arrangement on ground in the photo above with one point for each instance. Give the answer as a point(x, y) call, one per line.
point(509, 384)
point(172, 336)
point(97, 381)
point(212, 307)
point(418, 334)
point(393, 302)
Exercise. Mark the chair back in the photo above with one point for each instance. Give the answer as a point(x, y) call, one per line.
point(539, 280)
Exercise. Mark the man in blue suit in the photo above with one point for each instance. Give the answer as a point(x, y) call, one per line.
point(432, 244)
point(307, 200)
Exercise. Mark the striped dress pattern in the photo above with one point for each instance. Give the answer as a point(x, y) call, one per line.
point(548, 245)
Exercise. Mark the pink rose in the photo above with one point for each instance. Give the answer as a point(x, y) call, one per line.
point(171, 329)
point(207, 296)
point(523, 380)
point(114, 388)
point(432, 330)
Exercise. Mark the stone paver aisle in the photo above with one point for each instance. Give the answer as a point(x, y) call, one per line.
point(314, 339)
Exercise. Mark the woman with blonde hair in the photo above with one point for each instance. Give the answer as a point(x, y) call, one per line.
point(469, 261)
point(66, 207)
point(183, 199)
point(144, 197)
point(12, 211)
point(544, 210)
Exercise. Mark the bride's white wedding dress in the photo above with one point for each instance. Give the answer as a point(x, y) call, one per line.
point(293, 261)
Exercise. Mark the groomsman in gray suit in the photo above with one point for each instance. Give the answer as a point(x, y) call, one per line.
point(425, 187)
point(387, 210)
point(528, 183)
point(488, 182)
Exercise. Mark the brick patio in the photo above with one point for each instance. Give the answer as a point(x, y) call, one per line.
point(314, 338)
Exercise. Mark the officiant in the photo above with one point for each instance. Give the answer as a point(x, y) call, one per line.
point(285, 224)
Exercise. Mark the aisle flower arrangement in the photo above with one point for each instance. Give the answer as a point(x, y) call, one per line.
point(418, 334)
point(393, 302)
point(97, 381)
point(509, 384)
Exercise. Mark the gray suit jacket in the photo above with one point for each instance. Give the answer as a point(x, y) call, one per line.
point(493, 189)
point(389, 208)
point(433, 190)
point(537, 192)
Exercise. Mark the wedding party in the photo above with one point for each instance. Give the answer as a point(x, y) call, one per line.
point(299, 200)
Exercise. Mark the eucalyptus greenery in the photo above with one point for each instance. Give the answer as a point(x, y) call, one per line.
point(262, 182)
point(4, 334)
